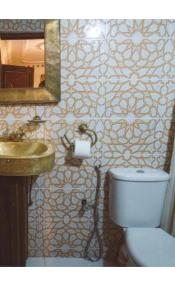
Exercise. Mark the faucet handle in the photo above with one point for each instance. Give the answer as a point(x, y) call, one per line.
point(6, 132)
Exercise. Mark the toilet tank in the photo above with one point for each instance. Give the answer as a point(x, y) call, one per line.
point(136, 196)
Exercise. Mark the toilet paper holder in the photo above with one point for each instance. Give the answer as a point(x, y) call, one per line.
point(83, 129)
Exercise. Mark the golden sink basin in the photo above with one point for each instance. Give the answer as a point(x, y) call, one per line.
point(26, 158)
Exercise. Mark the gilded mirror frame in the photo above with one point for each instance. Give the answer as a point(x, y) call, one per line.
point(51, 92)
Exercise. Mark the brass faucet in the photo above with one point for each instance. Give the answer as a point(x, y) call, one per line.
point(17, 136)
point(20, 133)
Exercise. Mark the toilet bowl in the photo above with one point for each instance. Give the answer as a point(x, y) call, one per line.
point(150, 247)
point(136, 203)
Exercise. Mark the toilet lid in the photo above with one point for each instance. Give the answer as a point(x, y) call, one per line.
point(151, 247)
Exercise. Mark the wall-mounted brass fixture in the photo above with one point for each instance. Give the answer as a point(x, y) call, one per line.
point(36, 120)
point(20, 133)
point(83, 129)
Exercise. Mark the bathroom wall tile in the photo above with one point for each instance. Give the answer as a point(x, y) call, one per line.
point(140, 160)
point(128, 159)
point(59, 201)
point(80, 80)
point(37, 182)
point(165, 100)
point(159, 162)
point(145, 99)
point(61, 243)
point(35, 225)
point(122, 57)
point(125, 59)
point(130, 104)
point(68, 171)
point(72, 105)
point(48, 112)
point(65, 229)
point(145, 95)
point(121, 63)
point(22, 113)
point(83, 58)
point(151, 80)
point(59, 177)
point(39, 252)
point(170, 28)
point(73, 30)
point(57, 124)
point(137, 30)
point(168, 66)
point(82, 103)
point(139, 135)
point(68, 178)
point(54, 124)
point(84, 176)
point(75, 173)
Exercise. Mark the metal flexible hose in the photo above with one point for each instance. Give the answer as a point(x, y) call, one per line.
point(95, 230)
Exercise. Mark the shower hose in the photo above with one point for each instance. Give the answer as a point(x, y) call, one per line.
point(95, 231)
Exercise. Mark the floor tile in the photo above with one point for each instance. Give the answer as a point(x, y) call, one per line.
point(35, 262)
point(70, 262)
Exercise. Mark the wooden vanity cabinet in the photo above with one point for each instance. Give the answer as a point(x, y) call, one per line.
point(14, 194)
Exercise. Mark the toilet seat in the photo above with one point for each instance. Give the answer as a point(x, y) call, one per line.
point(150, 247)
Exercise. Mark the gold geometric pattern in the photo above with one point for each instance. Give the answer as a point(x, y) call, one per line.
point(118, 77)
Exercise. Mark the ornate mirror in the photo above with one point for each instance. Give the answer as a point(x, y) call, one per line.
point(29, 61)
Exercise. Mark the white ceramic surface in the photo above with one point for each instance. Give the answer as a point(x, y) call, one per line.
point(137, 203)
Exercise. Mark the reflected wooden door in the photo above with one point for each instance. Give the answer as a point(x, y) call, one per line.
point(16, 76)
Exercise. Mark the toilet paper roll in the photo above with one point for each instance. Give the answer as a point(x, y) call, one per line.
point(82, 149)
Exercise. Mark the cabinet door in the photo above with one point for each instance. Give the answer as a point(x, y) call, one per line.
point(5, 229)
point(13, 222)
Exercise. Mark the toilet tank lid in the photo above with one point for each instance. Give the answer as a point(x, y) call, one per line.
point(139, 174)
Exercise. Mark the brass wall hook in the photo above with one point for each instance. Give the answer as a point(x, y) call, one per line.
point(83, 129)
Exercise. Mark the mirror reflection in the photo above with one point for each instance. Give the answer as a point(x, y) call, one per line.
point(22, 60)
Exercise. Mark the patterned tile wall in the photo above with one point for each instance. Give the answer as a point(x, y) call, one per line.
point(118, 76)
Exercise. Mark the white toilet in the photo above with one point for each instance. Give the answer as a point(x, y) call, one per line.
point(136, 204)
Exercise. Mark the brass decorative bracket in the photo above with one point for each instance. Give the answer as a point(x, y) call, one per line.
point(83, 129)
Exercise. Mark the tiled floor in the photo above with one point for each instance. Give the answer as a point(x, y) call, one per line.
point(61, 262)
